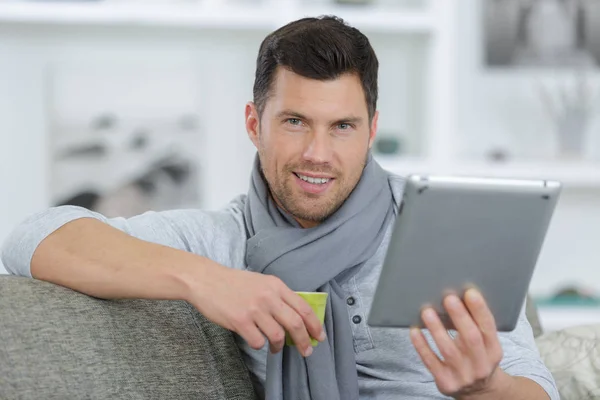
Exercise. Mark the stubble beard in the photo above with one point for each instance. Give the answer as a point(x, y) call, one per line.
point(308, 206)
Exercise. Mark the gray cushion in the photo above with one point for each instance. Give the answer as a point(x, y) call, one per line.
point(573, 356)
point(56, 343)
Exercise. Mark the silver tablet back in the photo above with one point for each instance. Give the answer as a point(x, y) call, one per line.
point(453, 233)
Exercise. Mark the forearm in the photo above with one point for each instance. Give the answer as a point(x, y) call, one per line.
point(506, 386)
point(96, 259)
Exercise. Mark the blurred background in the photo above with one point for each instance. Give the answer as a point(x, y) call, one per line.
point(123, 106)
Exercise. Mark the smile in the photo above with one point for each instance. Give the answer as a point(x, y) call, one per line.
point(313, 185)
point(310, 179)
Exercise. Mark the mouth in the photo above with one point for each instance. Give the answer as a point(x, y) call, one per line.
point(313, 183)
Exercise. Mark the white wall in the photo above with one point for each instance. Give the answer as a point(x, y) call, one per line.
point(22, 165)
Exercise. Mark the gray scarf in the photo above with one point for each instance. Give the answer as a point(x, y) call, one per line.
point(315, 260)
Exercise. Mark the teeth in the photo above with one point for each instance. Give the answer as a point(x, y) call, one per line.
point(318, 181)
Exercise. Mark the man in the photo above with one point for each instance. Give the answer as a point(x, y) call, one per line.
point(317, 217)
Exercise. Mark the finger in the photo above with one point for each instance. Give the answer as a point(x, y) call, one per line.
point(272, 330)
point(484, 318)
point(427, 355)
point(481, 313)
point(311, 322)
point(468, 330)
point(452, 355)
point(293, 323)
point(248, 330)
point(479, 309)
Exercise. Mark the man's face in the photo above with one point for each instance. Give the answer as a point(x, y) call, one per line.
point(312, 140)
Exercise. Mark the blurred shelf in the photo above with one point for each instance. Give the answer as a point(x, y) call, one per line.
point(556, 318)
point(566, 301)
point(379, 19)
point(571, 174)
point(205, 16)
point(134, 14)
point(101, 177)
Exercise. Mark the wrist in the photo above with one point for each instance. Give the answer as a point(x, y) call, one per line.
point(195, 276)
point(500, 386)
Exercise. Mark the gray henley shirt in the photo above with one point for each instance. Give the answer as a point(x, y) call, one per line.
point(387, 364)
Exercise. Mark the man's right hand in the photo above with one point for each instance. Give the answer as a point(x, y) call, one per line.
point(99, 260)
point(254, 306)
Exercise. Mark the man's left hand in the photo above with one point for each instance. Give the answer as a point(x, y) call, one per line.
point(469, 364)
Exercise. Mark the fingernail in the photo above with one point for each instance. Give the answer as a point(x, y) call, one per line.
point(429, 314)
point(474, 294)
point(323, 336)
point(414, 332)
point(453, 300)
point(308, 351)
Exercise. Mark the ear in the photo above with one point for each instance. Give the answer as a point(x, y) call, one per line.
point(252, 123)
point(373, 129)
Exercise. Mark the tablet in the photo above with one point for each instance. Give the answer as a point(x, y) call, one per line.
point(453, 233)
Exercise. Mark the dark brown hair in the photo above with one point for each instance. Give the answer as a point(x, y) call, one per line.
point(317, 48)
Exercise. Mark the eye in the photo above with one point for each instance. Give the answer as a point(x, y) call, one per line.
point(344, 126)
point(294, 121)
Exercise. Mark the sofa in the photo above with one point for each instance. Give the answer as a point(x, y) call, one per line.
point(56, 343)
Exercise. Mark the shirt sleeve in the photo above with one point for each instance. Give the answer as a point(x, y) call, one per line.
point(522, 358)
point(206, 233)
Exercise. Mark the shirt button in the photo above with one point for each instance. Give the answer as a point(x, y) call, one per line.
point(350, 301)
point(356, 319)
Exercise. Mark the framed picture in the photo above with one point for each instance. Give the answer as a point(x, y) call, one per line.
point(541, 33)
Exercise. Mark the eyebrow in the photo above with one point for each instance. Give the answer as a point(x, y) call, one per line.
point(292, 114)
point(347, 120)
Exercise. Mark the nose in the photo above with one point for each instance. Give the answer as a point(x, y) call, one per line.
point(318, 149)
